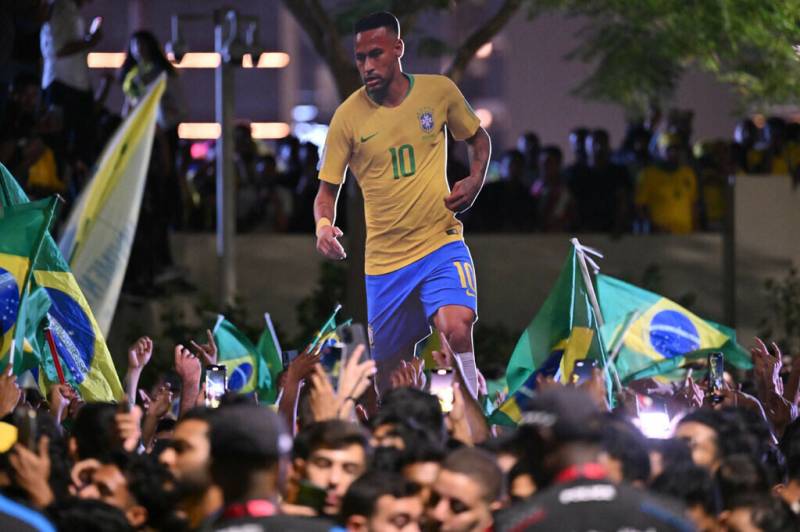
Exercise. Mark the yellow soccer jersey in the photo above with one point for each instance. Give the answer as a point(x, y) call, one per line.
point(669, 196)
point(398, 155)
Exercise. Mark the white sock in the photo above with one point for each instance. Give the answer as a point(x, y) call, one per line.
point(466, 363)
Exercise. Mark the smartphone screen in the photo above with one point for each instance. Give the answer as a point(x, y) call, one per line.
point(442, 387)
point(96, 23)
point(582, 371)
point(653, 418)
point(216, 379)
point(716, 373)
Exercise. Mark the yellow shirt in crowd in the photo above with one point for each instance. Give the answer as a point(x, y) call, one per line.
point(669, 196)
point(398, 155)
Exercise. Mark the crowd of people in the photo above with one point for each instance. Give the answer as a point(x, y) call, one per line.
point(342, 457)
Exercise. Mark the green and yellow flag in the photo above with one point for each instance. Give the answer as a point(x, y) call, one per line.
point(22, 232)
point(269, 349)
point(564, 330)
point(246, 368)
point(81, 346)
point(662, 336)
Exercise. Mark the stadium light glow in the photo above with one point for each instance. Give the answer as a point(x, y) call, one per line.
point(197, 60)
point(485, 117)
point(485, 50)
point(267, 60)
point(199, 130)
point(105, 59)
point(269, 130)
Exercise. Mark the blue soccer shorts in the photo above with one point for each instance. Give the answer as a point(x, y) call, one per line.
point(401, 304)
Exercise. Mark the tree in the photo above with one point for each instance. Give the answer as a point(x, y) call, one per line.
point(641, 48)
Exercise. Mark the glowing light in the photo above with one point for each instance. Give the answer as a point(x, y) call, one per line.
point(304, 113)
point(199, 130)
point(105, 59)
point(269, 130)
point(485, 50)
point(485, 117)
point(197, 60)
point(267, 60)
point(199, 150)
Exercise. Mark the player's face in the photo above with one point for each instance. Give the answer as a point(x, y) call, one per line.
point(377, 54)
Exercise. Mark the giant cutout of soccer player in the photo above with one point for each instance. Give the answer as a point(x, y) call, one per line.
point(391, 133)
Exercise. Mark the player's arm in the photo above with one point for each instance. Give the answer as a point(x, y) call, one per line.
point(464, 193)
point(325, 214)
point(333, 165)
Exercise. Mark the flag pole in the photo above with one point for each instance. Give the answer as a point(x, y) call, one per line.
point(587, 281)
point(54, 353)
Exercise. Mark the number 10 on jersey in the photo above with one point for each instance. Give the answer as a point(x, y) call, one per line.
point(403, 163)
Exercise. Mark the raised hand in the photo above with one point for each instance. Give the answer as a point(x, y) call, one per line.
point(300, 368)
point(328, 243)
point(187, 365)
point(767, 365)
point(208, 352)
point(409, 374)
point(140, 353)
point(159, 405)
point(354, 378)
point(463, 194)
point(129, 428)
point(61, 395)
point(324, 403)
point(32, 471)
point(9, 392)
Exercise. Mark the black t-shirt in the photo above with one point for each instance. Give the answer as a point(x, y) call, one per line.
point(598, 192)
point(584, 505)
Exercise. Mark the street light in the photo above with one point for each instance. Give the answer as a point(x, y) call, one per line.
point(231, 43)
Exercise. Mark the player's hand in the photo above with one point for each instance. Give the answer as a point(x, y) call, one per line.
point(463, 194)
point(328, 243)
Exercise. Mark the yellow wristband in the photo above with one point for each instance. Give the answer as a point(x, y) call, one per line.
point(323, 222)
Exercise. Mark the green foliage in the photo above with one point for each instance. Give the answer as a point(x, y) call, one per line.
point(640, 48)
point(782, 324)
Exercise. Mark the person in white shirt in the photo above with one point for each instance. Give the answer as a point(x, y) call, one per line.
point(65, 44)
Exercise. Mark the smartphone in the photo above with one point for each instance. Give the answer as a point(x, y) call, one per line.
point(330, 358)
point(25, 420)
point(353, 335)
point(442, 387)
point(582, 370)
point(310, 496)
point(716, 375)
point(95, 25)
point(216, 381)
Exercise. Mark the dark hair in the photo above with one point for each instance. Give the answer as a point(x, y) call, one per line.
point(480, 466)
point(600, 133)
point(674, 452)
point(623, 442)
point(768, 514)
point(363, 494)
point(94, 431)
point(147, 483)
point(414, 407)
point(552, 150)
point(690, 484)
point(740, 475)
point(89, 515)
point(157, 54)
point(381, 19)
point(333, 434)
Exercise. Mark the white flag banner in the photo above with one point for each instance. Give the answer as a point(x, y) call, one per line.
point(99, 234)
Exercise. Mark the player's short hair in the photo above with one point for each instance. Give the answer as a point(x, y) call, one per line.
point(480, 466)
point(380, 19)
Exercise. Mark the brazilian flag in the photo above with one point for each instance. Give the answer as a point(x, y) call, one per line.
point(564, 330)
point(247, 370)
point(269, 349)
point(659, 335)
point(81, 348)
point(23, 229)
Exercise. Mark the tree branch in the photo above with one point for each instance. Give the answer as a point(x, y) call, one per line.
point(479, 37)
point(325, 38)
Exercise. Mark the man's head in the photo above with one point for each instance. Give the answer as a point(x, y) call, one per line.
point(550, 163)
point(93, 433)
point(381, 501)
point(528, 143)
point(378, 50)
point(188, 455)
point(577, 142)
point(759, 513)
point(135, 484)
point(700, 431)
point(694, 487)
point(415, 408)
point(598, 147)
point(25, 92)
point(331, 455)
point(466, 492)
point(248, 446)
point(512, 166)
point(625, 451)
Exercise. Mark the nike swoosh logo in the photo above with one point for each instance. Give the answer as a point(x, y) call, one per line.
point(365, 139)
